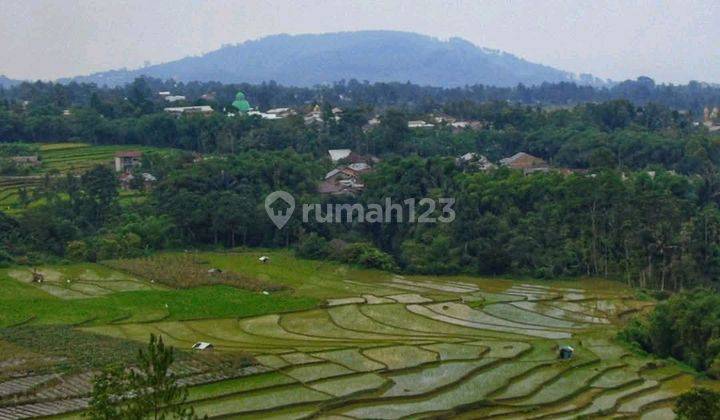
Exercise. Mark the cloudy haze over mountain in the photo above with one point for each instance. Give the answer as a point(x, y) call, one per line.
point(671, 41)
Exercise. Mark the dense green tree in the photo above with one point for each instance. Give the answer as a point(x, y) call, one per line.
point(148, 390)
point(698, 404)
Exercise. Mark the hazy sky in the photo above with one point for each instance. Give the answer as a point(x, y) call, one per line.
point(669, 40)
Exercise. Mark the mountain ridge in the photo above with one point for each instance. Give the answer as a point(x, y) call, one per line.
point(376, 56)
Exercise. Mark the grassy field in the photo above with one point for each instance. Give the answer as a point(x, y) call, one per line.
point(345, 342)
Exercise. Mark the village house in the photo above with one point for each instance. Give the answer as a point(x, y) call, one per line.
point(711, 117)
point(314, 116)
point(26, 160)
point(273, 114)
point(180, 110)
point(443, 119)
point(475, 161)
point(339, 154)
point(525, 162)
point(419, 124)
point(459, 126)
point(210, 96)
point(127, 161)
point(346, 179)
point(341, 181)
point(174, 98)
point(281, 112)
point(126, 180)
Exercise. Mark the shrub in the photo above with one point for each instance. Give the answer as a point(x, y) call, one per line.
point(77, 250)
point(698, 404)
point(368, 256)
point(314, 247)
point(5, 258)
point(108, 248)
point(685, 327)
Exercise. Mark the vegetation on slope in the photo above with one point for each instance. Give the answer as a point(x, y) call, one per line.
point(685, 327)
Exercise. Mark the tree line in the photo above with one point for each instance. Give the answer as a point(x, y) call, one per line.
point(692, 97)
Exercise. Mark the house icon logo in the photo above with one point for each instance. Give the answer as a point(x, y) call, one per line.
point(279, 206)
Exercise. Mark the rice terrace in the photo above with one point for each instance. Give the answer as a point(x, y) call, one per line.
point(295, 338)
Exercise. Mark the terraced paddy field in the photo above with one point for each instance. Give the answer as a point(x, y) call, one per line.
point(369, 344)
point(79, 157)
point(58, 159)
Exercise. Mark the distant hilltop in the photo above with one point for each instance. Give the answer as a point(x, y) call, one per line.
point(374, 56)
point(5, 82)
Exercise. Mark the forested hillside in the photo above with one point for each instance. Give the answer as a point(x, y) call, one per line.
point(633, 194)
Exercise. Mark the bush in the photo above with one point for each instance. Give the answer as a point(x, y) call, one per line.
point(77, 250)
point(698, 404)
point(368, 256)
point(108, 248)
point(5, 258)
point(685, 327)
point(313, 246)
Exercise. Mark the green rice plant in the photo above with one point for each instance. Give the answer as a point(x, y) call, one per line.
point(228, 331)
point(295, 412)
point(536, 379)
point(399, 316)
point(578, 308)
point(558, 313)
point(490, 324)
point(268, 326)
point(351, 359)
point(345, 301)
point(299, 358)
point(607, 350)
point(489, 297)
point(508, 349)
point(515, 314)
point(315, 371)
point(272, 361)
point(616, 378)
point(442, 287)
point(349, 385)
point(350, 317)
point(319, 324)
point(234, 386)
point(570, 382)
point(468, 391)
point(608, 400)
point(464, 312)
point(400, 357)
point(430, 378)
point(455, 351)
point(258, 400)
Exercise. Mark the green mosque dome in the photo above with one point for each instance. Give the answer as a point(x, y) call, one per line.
point(240, 103)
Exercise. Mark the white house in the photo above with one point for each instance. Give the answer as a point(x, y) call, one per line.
point(174, 98)
point(419, 124)
point(127, 160)
point(202, 109)
point(202, 345)
point(339, 154)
